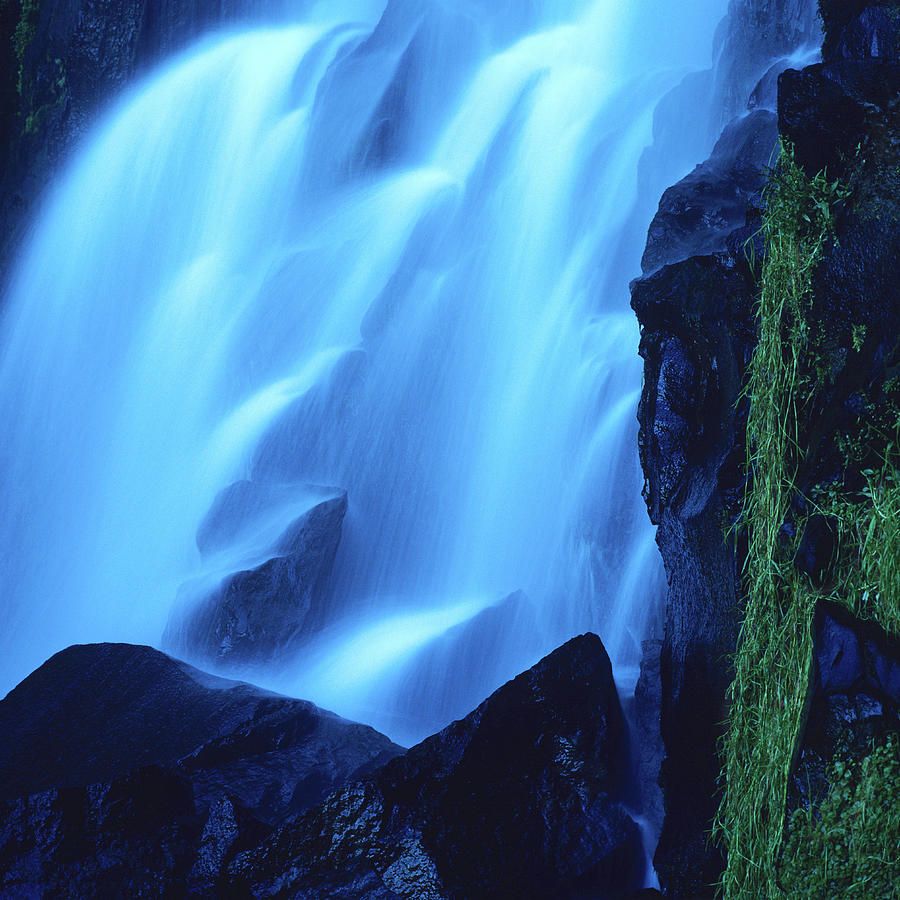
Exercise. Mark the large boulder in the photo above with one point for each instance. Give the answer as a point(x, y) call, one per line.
point(125, 772)
point(96, 712)
point(255, 614)
point(525, 797)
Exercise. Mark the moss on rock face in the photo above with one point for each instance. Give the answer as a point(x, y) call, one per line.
point(26, 28)
point(846, 846)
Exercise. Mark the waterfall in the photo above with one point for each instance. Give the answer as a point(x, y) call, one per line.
point(381, 248)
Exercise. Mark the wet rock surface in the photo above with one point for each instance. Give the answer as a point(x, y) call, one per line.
point(103, 796)
point(854, 698)
point(95, 712)
point(255, 614)
point(124, 771)
point(525, 797)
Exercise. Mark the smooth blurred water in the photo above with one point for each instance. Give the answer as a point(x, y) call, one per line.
point(383, 249)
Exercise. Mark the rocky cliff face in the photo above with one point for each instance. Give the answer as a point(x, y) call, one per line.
point(696, 308)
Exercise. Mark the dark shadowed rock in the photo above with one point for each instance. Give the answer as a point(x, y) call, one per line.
point(854, 698)
point(698, 333)
point(96, 712)
point(696, 216)
point(695, 304)
point(522, 798)
point(124, 772)
point(255, 614)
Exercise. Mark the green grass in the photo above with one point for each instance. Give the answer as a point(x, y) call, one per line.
point(774, 656)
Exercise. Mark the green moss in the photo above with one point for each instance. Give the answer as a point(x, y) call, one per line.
point(26, 28)
point(846, 846)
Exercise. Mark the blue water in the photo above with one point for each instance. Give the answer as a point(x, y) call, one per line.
point(382, 248)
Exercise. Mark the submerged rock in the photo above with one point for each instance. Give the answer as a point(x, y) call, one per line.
point(255, 614)
point(525, 797)
point(126, 772)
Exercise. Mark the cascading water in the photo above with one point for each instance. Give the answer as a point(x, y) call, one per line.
point(381, 249)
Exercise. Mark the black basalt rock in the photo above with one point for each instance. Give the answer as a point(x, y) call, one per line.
point(96, 712)
point(525, 797)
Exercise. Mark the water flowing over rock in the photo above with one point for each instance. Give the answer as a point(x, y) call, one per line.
point(62, 62)
point(258, 614)
point(525, 797)
point(314, 252)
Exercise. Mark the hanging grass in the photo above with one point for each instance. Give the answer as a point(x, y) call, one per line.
point(774, 656)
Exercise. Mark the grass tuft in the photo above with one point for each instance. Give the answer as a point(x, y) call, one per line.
point(772, 667)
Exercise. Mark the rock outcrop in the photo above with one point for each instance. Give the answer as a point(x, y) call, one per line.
point(695, 305)
point(854, 699)
point(525, 797)
point(124, 771)
point(255, 614)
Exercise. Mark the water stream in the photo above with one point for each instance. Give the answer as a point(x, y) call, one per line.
point(384, 248)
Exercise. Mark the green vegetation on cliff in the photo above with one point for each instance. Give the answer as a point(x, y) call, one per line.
point(847, 846)
point(774, 656)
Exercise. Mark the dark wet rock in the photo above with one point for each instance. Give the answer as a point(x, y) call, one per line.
point(522, 798)
point(697, 215)
point(647, 745)
point(257, 613)
point(830, 110)
point(859, 29)
point(695, 304)
point(96, 712)
point(697, 335)
point(852, 704)
point(756, 35)
point(124, 772)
